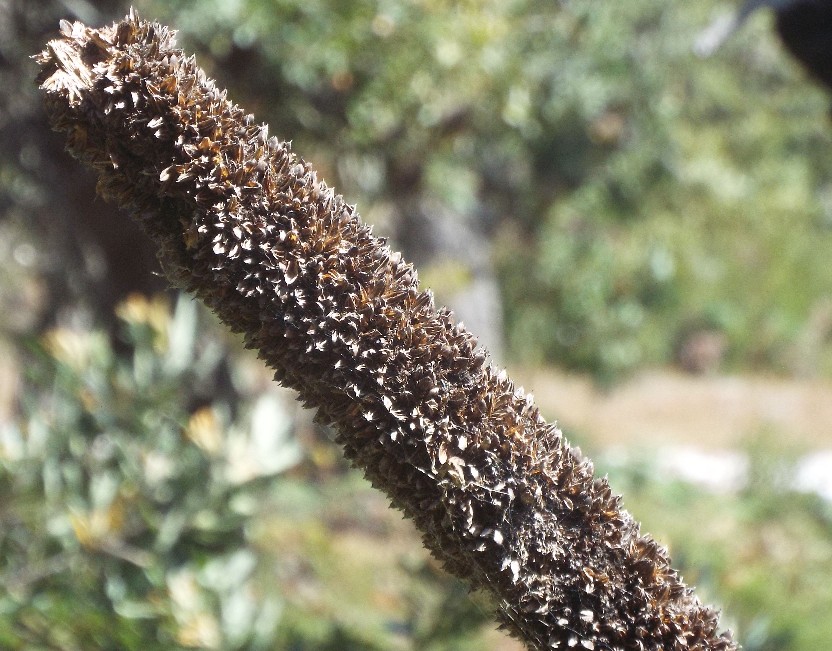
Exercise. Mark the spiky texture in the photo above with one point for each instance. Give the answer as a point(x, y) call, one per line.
point(499, 496)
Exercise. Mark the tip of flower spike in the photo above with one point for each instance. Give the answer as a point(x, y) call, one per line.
point(67, 62)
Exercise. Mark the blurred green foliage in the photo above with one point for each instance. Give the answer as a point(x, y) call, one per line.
point(762, 554)
point(139, 514)
point(635, 196)
point(117, 495)
point(635, 192)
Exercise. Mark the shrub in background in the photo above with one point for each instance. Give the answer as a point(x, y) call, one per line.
point(125, 513)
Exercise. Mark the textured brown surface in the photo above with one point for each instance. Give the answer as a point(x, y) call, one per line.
point(245, 225)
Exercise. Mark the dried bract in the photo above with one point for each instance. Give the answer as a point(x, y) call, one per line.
point(244, 224)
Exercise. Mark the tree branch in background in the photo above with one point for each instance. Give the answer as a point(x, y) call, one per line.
point(241, 222)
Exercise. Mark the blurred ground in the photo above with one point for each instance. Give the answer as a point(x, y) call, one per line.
point(661, 406)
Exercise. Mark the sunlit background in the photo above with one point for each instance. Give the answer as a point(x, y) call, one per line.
point(643, 236)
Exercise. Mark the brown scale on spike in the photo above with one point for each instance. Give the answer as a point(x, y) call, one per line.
point(245, 225)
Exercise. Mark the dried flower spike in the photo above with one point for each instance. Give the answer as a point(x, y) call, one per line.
point(244, 224)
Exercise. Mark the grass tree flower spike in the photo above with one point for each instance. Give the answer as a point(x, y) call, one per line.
point(244, 224)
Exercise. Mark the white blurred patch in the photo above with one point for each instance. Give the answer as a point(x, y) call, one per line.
point(721, 471)
point(714, 35)
point(267, 448)
point(813, 474)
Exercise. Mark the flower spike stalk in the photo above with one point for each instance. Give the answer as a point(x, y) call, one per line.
point(244, 224)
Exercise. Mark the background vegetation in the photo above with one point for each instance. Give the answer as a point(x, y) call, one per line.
point(575, 181)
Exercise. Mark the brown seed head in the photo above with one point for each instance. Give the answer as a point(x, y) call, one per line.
point(244, 224)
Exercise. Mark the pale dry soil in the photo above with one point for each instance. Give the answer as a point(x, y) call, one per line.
point(662, 406)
